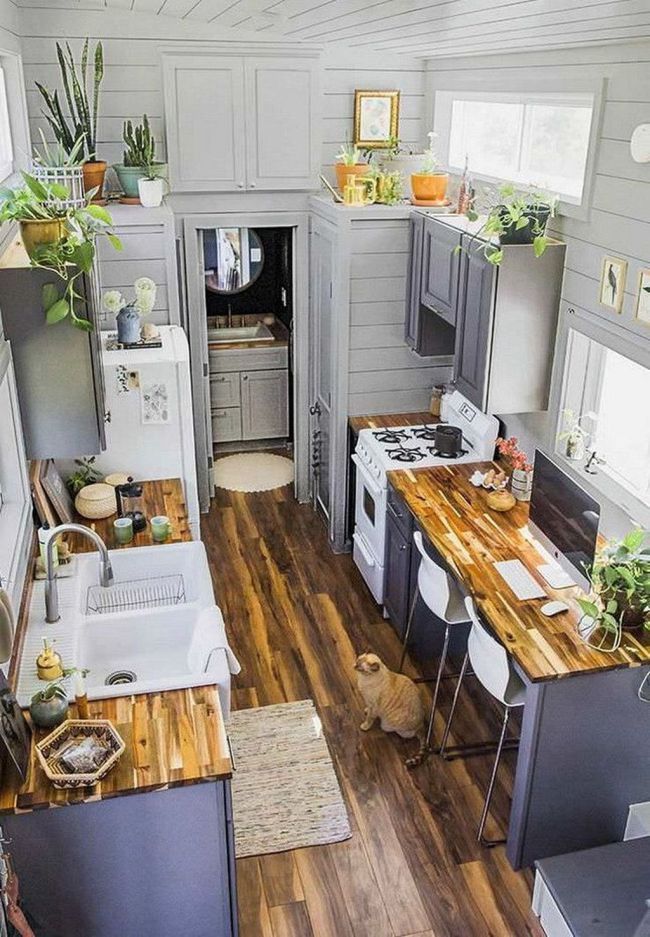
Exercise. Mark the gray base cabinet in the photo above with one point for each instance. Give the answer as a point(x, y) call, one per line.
point(156, 864)
point(249, 394)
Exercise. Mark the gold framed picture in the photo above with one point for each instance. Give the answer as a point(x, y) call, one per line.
point(612, 283)
point(376, 118)
point(643, 297)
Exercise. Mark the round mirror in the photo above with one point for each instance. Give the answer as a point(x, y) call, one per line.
point(234, 258)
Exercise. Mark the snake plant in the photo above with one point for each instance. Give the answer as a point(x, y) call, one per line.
point(82, 120)
point(140, 144)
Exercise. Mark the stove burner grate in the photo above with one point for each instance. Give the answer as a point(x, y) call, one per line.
point(424, 432)
point(402, 454)
point(447, 455)
point(391, 436)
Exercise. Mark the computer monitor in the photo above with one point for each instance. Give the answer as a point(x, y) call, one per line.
point(564, 518)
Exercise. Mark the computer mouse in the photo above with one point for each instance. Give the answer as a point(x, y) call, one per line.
point(554, 608)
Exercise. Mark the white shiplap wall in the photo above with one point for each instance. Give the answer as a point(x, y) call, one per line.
point(133, 84)
point(9, 37)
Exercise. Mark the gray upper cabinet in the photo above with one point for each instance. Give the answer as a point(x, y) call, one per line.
point(264, 404)
point(281, 106)
point(474, 313)
point(206, 92)
point(439, 278)
point(258, 120)
point(425, 331)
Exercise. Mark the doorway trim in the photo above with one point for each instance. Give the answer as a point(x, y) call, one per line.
point(299, 353)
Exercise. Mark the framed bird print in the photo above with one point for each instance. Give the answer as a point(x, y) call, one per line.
point(376, 119)
point(643, 298)
point(612, 283)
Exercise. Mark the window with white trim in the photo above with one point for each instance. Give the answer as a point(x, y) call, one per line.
point(611, 391)
point(538, 141)
point(6, 141)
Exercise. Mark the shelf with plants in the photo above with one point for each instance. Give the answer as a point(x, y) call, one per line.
point(140, 174)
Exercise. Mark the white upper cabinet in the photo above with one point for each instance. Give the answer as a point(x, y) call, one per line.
point(241, 122)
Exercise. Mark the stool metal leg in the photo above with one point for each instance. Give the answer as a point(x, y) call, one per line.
point(445, 737)
point(434, 703)
point(407, 633)
point(490, 790)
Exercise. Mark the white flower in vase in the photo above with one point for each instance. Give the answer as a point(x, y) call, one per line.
point(113, 301)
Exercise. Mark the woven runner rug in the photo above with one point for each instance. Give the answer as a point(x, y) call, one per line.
point(285, 790)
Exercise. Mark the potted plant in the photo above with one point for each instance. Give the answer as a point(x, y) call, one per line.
point(575, 434)
point(139, 157)
point(521, 483)
point(52, 163)
point(49, 707)
point(58, 239)
point(620, 592)
point(150, 187)
point(399, 158)
point(428, 184)
point(84, 474)
point(349, 163)
point(39, 208)
point(514, 217)
point(82, 122)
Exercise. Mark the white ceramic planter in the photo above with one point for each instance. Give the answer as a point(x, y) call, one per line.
point(151, 192)
point(522, 484)
point(406, 165)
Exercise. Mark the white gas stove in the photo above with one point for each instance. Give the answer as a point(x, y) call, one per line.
point(470, 436)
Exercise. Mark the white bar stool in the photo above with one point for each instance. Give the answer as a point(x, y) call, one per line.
point(442, 596)
point(493, 668)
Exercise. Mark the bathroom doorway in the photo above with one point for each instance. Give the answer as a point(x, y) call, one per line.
point(247, 322)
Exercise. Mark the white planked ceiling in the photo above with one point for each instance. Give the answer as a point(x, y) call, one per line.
point(426, 28)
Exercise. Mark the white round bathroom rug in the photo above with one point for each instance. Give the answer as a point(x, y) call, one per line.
point(253, 471)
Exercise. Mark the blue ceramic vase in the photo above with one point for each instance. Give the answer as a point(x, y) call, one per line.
point(128, 325)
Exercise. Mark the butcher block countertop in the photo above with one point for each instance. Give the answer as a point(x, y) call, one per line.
point(173, 738)
point(380, 420)
point(454, 515)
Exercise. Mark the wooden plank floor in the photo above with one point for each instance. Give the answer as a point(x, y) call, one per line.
point(297, 616)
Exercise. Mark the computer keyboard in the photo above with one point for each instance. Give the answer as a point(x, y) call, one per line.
point(520, 580)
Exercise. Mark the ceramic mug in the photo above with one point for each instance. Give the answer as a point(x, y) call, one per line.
point(160, 528)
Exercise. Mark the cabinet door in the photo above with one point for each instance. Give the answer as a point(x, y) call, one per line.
point(282, 148)
point(397, 565)
point(412, 324)
point(439, 282)
point(477, 284)
point(204, 108)
point(264, 404)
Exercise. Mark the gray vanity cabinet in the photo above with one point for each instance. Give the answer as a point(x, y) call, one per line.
point(264, 404)
point(476, 286)
point(439, 279)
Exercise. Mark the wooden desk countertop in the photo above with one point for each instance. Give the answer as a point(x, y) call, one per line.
point(173, 738)
point(471, 537)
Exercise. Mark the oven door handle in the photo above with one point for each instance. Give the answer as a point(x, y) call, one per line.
point(360, 541)
point(367, 479)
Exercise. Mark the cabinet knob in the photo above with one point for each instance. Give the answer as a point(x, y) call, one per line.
point(244, 377)
point(252, 185)
point(403, 547)
point(240, 185)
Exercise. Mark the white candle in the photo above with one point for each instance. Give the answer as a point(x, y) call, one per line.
point(79, 684)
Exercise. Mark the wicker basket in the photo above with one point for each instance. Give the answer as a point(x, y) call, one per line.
point(95, 502)
point(69, 176)
point(50, 750)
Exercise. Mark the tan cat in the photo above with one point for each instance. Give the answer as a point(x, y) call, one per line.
point(392, 698)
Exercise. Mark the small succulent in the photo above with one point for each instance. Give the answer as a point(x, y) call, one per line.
point(349, 154)
point(140, 144)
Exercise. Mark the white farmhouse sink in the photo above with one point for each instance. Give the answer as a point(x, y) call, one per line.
point(245, 333)
point(156, 628)
point(144, 652)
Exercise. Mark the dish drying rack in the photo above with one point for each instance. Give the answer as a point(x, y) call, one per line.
point(136, 595)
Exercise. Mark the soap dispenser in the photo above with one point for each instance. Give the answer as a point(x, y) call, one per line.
point(48, 663)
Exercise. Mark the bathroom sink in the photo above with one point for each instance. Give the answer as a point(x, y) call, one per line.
point(247, 333)
point(146, 652)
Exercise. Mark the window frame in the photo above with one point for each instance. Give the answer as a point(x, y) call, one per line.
point(529, 92)
point(7, 167)
point(603, 484)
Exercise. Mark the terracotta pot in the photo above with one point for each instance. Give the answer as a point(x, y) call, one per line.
point(37, 233)
point(429, 186)
point(342, 173)
point(94, 173)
